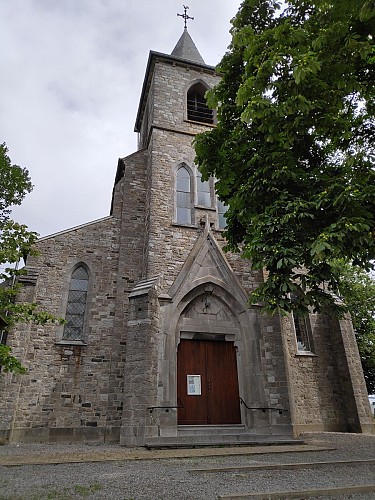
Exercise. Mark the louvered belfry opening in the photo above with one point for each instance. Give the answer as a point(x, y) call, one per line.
point(197, 109)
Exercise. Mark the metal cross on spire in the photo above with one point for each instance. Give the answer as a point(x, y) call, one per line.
point(185, 16)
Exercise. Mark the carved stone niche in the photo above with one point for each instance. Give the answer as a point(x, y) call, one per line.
point(208, 316)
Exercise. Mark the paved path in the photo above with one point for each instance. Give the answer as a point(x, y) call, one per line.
point(304, 494)
point(128, 454)
point(328, 465)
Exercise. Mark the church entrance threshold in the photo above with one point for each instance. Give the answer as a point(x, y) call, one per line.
point(207, 383)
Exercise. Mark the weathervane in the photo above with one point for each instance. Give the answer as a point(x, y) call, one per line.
point(185, 16)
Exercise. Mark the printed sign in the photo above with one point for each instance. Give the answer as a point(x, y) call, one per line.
point(194, 385)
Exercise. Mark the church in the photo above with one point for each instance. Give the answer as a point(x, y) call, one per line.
point(159, 345)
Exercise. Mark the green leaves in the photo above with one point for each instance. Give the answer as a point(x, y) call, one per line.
point(8, 362)
point(367, 11)
point(16, 242)
point(15, 183)
point(357, 290)
point(293, 151)
point(305, 65)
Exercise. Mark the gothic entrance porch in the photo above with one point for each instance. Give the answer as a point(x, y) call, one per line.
point(207, 383)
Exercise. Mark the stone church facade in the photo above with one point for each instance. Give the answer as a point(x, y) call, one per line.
point(159, 344)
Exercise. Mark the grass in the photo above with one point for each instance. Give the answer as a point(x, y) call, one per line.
point(75, 491)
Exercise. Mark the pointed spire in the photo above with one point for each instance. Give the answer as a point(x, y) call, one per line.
point(186, 49)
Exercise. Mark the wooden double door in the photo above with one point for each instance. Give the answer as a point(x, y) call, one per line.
point(207, 383)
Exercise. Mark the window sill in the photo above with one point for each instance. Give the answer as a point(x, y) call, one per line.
point(212, 125)
point(71, 342)
point(191, 226)
point(304, 354)
point(213, 209)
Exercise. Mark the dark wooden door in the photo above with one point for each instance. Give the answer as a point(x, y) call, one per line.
point(216, 363)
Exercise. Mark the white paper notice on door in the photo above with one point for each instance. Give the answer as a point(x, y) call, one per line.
point(194, 385)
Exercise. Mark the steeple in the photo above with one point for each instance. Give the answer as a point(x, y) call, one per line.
point(186, 49)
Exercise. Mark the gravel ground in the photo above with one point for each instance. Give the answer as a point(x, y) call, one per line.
point(169, 479)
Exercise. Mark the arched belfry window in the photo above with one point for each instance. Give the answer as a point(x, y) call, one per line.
point(183, 196)
point(75, 310)
point(197, 109)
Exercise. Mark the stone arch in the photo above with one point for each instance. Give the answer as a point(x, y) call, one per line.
point(190, 169)
point(222, 308)
point(196, 81)
point(230, 320)
point(208, 312)
point(196, 108)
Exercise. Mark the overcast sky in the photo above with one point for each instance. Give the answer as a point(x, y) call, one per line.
point(71, 77)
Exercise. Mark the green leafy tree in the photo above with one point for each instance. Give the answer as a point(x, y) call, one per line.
point(358, 291)
point(16, 241)
point(293, 152)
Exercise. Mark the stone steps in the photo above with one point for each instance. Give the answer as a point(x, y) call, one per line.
point(200, 436)
point(204, 430)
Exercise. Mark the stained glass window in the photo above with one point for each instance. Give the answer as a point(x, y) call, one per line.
point(75, 310)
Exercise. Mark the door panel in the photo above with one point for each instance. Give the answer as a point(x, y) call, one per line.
point(223, 395)
point(191, 360)
point(216, 363)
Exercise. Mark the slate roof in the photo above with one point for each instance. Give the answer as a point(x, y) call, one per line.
point(186, 49)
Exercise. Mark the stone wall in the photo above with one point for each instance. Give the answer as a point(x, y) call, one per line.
point(75, 391)
point(274, 370)
point(140, 392)
point(67, 385)
point(324, 396)
point(171, 145)
point(129, 206)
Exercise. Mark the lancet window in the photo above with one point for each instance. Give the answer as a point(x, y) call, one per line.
point(76, 307)
point(183, 196)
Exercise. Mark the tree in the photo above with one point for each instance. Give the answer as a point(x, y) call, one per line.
point(293, 152)
point(358, 292)
point(16, 242)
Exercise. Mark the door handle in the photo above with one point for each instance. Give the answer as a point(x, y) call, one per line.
point(209, 385)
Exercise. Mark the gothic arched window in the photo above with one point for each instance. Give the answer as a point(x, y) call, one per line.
point(183, 196)
point(197, 109)
point(76, 307)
